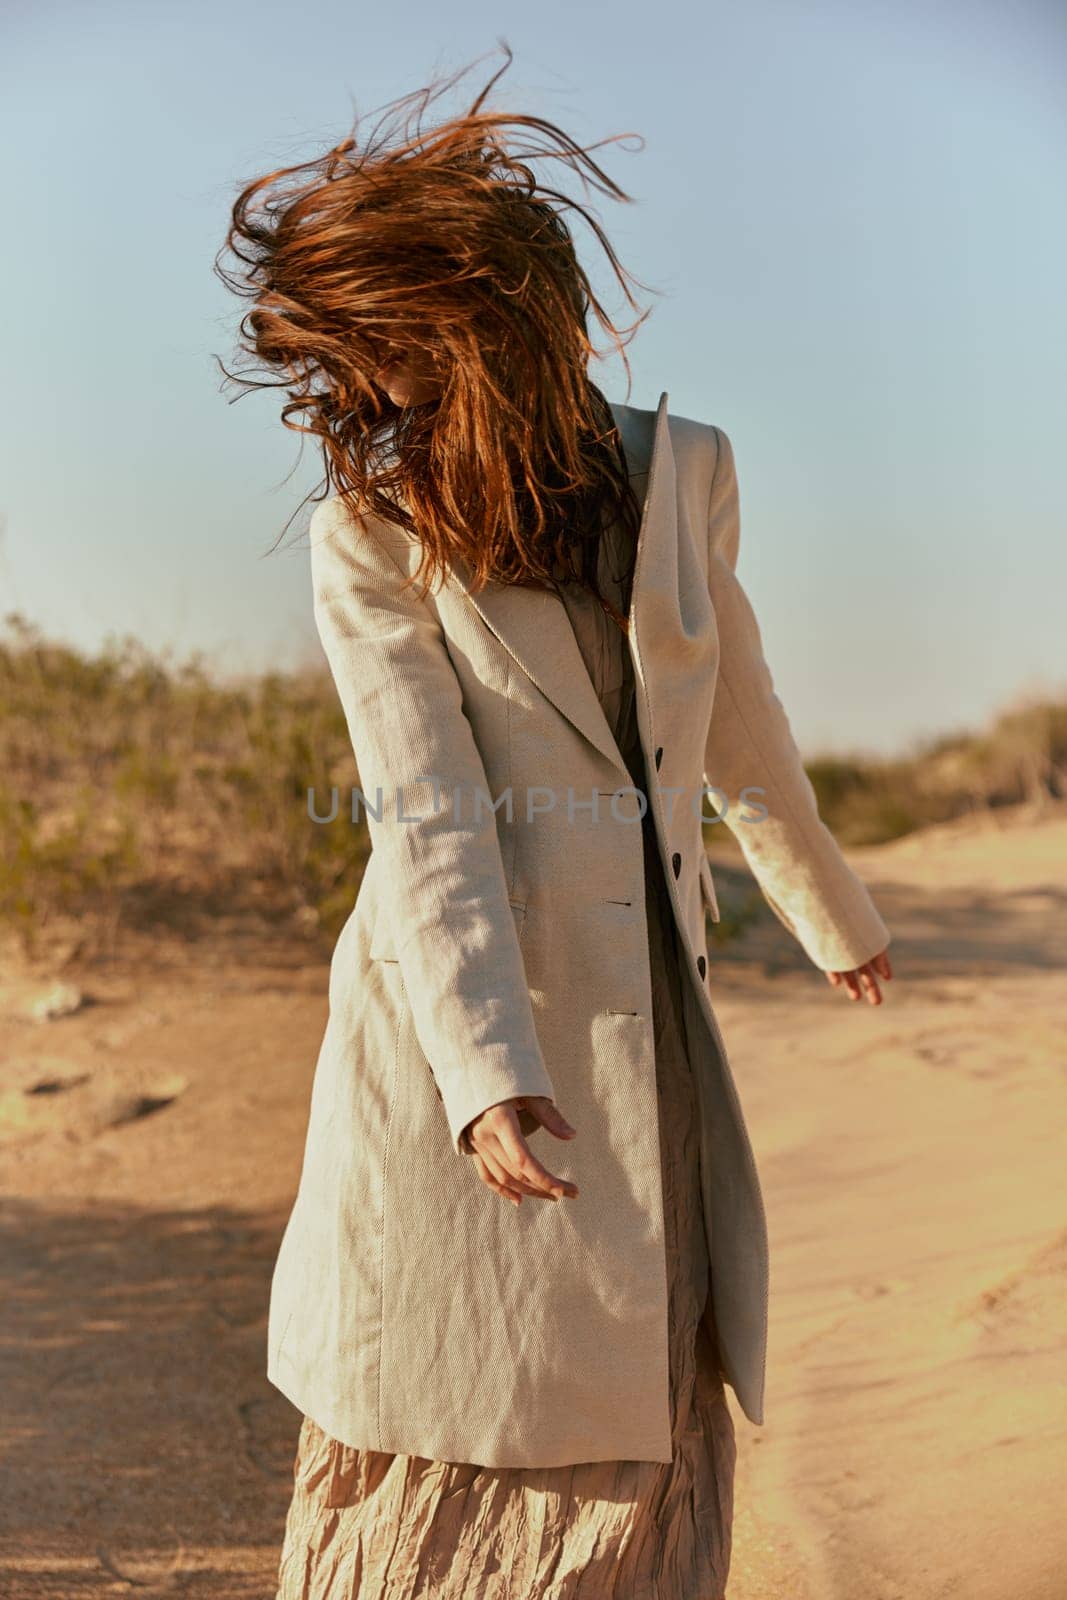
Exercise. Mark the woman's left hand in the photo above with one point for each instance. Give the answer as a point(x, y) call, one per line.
point(864, 980)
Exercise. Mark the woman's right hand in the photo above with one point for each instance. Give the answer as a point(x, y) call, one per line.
point(505, 1161)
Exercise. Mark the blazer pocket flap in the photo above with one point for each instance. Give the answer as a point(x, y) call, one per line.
point(383, 942)
point(707, 883)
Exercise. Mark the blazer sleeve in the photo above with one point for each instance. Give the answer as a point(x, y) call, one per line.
point(794, 858)
point(456, 939)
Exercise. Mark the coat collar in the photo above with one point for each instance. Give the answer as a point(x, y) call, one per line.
point(534, 626)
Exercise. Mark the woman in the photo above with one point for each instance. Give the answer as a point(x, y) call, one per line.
point(527, 599)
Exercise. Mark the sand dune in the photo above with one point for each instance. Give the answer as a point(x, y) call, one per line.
point(912, 1157)
point(916, 1441)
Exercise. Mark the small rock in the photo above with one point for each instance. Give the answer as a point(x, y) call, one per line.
point(58, 1083)
point(58, 1001)
point(132, 1105)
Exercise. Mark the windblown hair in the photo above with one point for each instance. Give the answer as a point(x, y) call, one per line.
point(443, 242)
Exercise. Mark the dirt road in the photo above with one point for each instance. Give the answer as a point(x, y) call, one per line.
point(912, 1159)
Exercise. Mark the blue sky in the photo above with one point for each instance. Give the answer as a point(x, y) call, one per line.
point(853, 214)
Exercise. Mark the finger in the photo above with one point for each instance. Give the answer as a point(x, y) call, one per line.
point(550, 1116)
point(500, 1167)
point(852, 984)
point(520, 1183)
point(523, 1164)
point(494, 1183)
point(870, 986)
point(495, 1166)
point(519, 1163)
point(489, 1146)
point(834, 979)
point(881, 965)
point(489, 1177)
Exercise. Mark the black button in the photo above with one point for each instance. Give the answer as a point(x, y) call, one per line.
point(659, 757)
point(676, 863)
point(702, 965)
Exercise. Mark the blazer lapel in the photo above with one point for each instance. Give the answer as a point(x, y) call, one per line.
point(673, 638)
point(533, 625)
point(669, 605)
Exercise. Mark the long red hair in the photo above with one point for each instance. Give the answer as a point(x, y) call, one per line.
point(443, 242)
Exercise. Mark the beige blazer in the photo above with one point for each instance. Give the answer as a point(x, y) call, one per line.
point(501, 949)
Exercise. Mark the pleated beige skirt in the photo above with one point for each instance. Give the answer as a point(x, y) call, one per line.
point(367, 1525)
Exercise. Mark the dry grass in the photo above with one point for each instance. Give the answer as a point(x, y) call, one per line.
point(134, 790)
point(137, 792)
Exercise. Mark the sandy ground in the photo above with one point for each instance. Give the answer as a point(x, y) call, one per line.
point(912, 1158)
